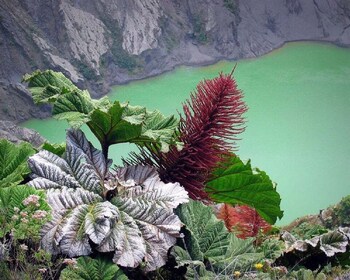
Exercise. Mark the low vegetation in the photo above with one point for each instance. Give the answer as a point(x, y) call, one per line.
point(184, 207)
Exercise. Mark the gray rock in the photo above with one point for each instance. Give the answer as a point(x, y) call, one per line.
point(17, 134)
point(99, 43)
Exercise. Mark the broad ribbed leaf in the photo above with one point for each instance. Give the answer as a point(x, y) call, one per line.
point(195, 269)
point(83, 167)
point(47, 86)
point(99, 220)
point(74, 241)
point(292, 243)
point(237, 183)
point(330, 243)
point(77, 141)
point(240, 255)
point(345, 231)
point(112, 127)
point(110, 123)
point(125, 239)
point(50, 171)
point(75, 107)
point(144, 183)
point(159, 228)
point(52, 232)
point(128, 211)
point(210, 233)
point(13, 162)
point(272, 248)
point(333, 242)
point(313, 241)
point(134, 114)
point(68, 198)
point(57, 149)
point(158, 128)
point(208, 241)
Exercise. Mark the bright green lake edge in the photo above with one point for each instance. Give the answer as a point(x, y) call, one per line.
point(297, 125)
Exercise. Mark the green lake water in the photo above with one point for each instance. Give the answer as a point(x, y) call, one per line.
point(298, 123)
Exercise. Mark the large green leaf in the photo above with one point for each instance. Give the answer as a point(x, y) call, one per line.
point(195, 269)
point(158, 129)
point(241, 255)
point(57, 149)
point(110, 123)
point(128, 211)
point(13, 162)
point(205, 229)
point(75, 107)
point(93, 269)
point(47, 86)
point(207, 241)
point(237, 183)
point(120, 123)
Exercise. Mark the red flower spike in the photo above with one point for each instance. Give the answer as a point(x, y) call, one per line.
point(243, 220)
point(211, 123)
point(212, 120)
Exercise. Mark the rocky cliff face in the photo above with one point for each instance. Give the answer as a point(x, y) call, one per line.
point(98, 43)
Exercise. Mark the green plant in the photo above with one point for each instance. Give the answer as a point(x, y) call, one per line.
point(127, 211)
point(13, 162)
point(92, 269)
point(111, 123)
point(199, 32)
point(317, 252)
point(23, 211)
point(307, 230)
point(342, 211)
point(208, 248)
point(86, 70)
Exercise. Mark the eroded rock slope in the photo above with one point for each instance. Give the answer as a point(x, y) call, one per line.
point(98, 43)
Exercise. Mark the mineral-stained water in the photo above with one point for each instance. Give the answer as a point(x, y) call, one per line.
point(298, 123)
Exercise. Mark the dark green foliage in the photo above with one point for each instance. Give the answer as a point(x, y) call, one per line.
point(342, 211)
point(86, 70)
point(118, 55)
point(19, 215)
point(231, 5)
point(123, 59)
point(93, 269)
point(13, 162)
point(57, 149)
point(208, 249)
point(199, 32)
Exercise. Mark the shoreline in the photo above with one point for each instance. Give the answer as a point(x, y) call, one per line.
point(197, 65)
point(219, 59)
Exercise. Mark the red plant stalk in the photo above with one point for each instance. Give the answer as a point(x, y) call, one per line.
point(209, 128)
point(243, 220)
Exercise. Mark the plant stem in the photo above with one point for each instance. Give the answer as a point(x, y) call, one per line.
point(105, 148)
